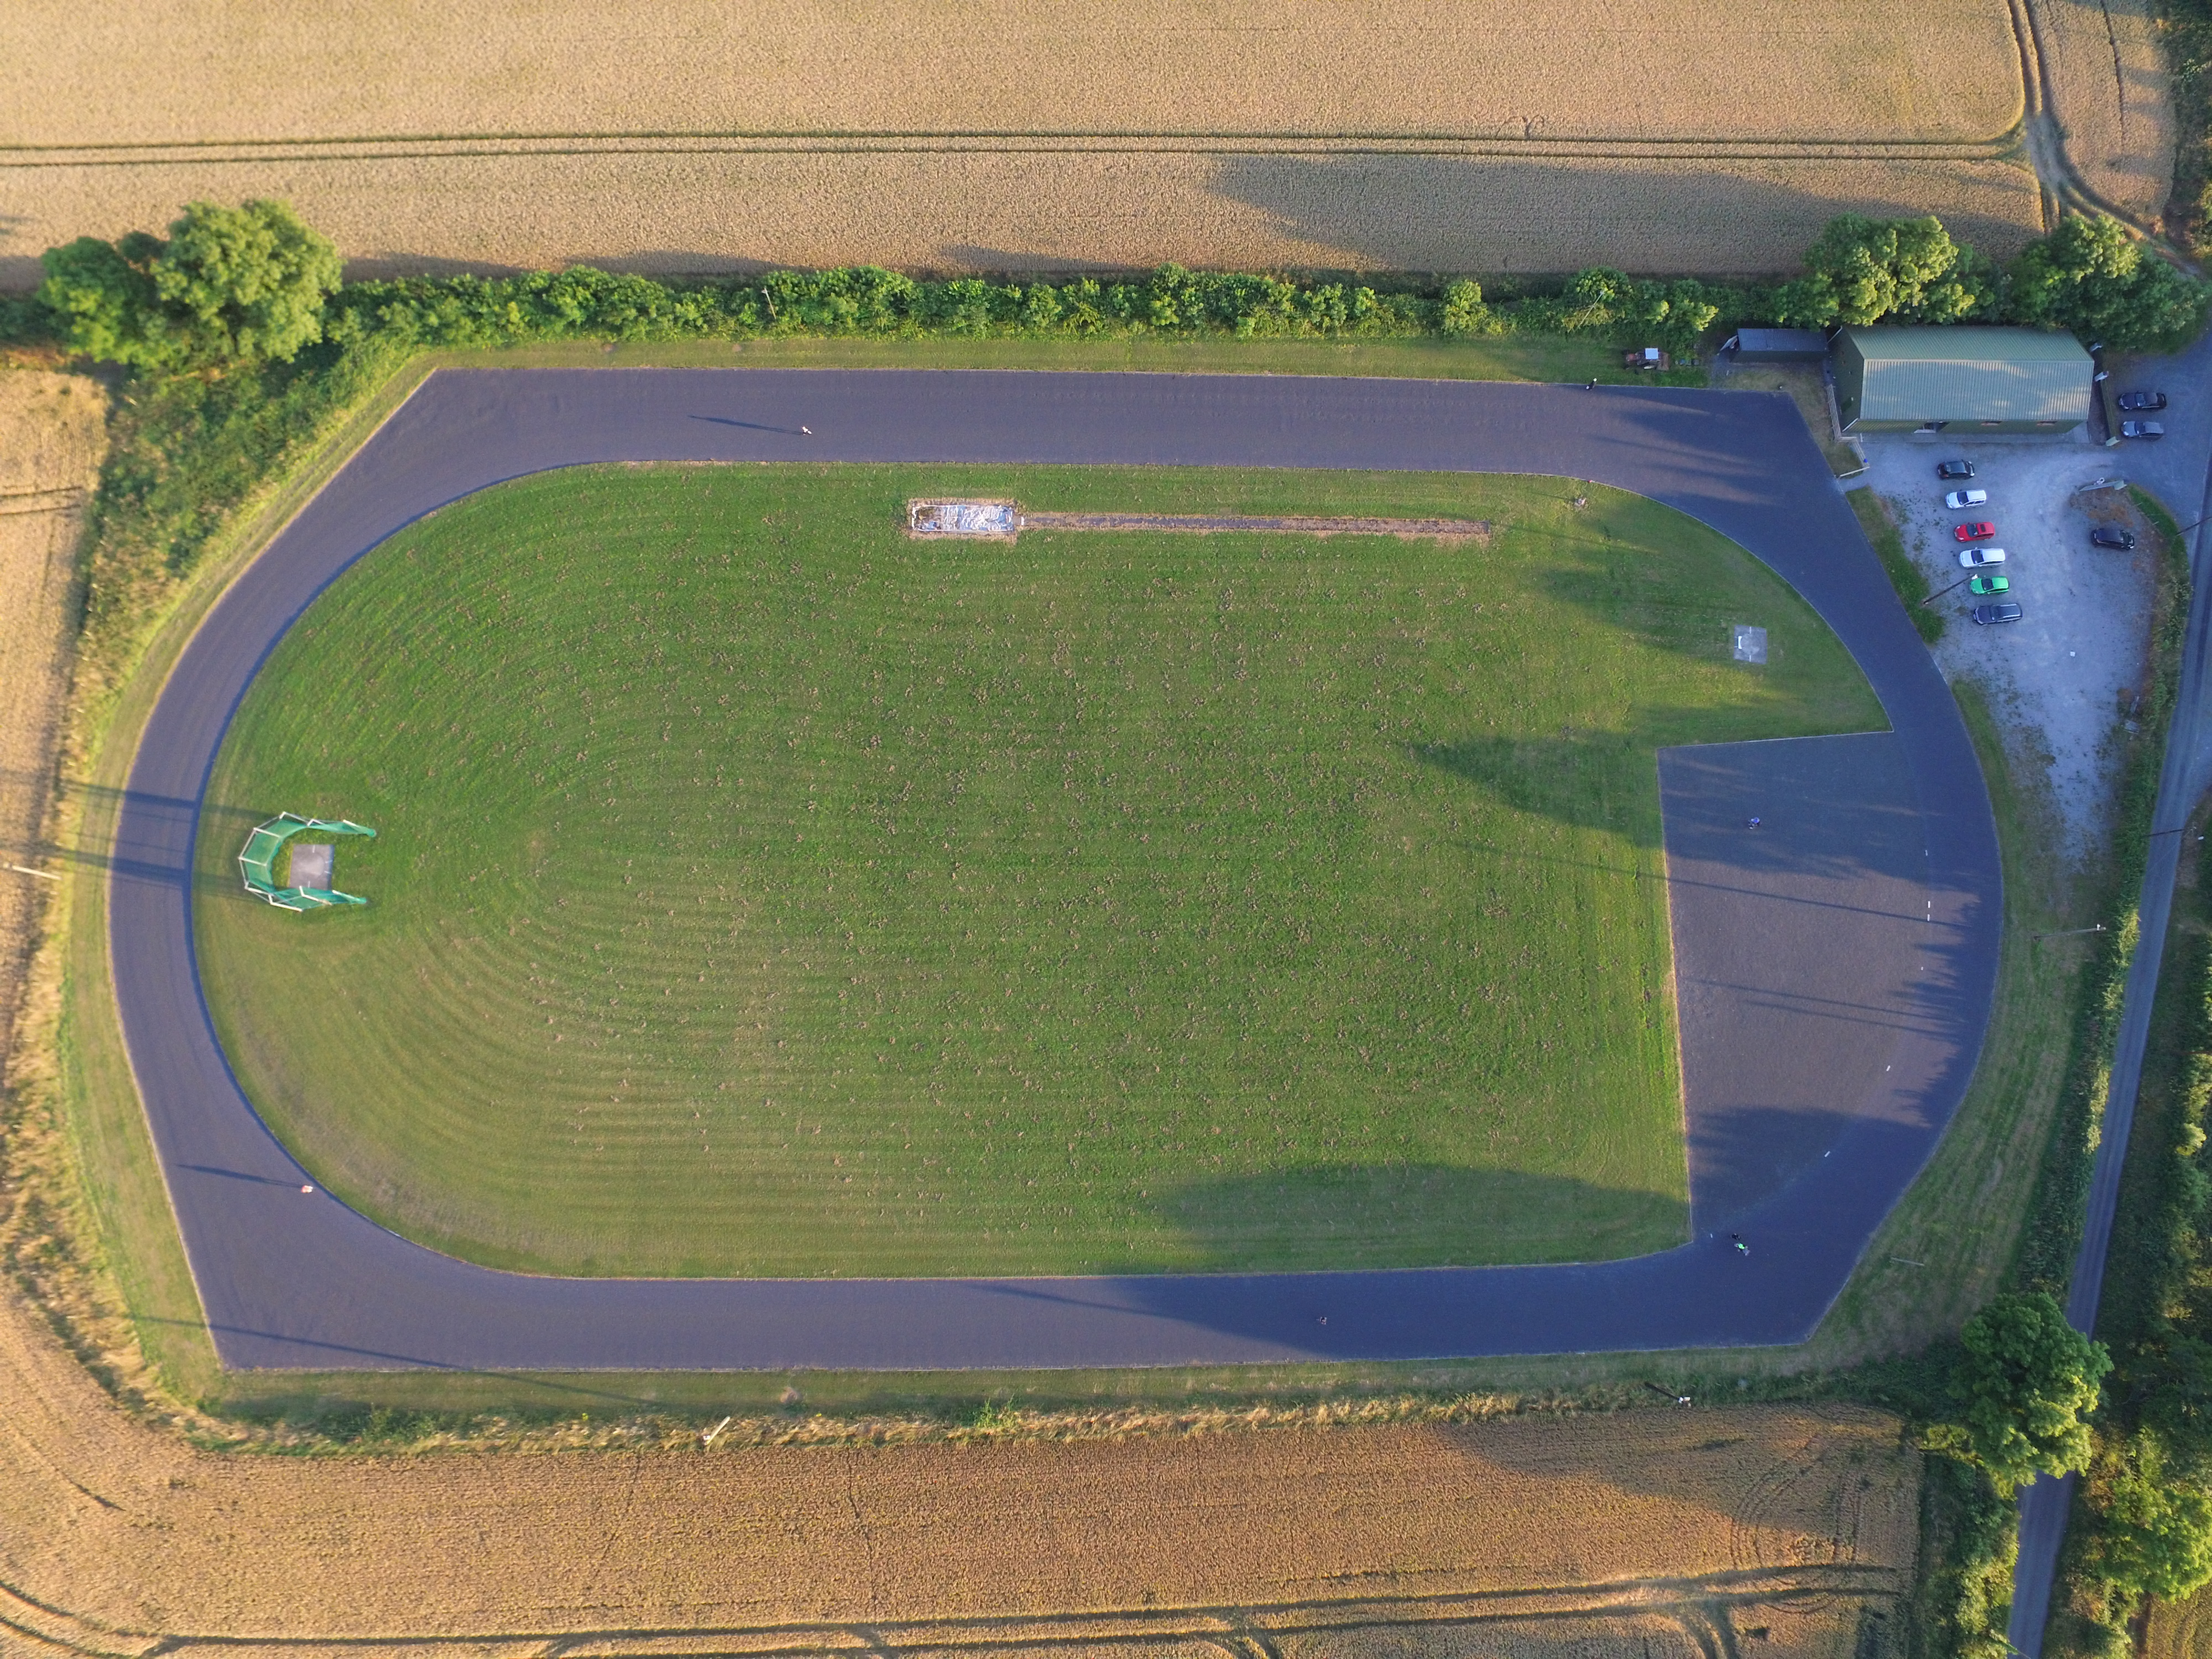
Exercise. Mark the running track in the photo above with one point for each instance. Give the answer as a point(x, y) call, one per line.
point(293, 1281)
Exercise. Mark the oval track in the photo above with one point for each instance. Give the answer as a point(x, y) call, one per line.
point(288, 1280)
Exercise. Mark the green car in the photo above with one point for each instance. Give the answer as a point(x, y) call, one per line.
point(1987, 584)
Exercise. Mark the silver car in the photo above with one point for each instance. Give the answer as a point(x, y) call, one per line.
point(1974, 558)
point(1959, 499)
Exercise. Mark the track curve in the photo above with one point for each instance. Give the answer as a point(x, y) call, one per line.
point(292, 1281)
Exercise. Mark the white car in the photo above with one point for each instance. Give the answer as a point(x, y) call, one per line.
point(1974, 556)
point(1959, 499)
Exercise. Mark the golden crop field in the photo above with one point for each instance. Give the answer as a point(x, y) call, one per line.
point(1010, 134)
point(2109, 95)
point(1679, 1531)
point(53, 434)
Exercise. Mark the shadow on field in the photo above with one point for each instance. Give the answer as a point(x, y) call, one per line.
point(1593, 781)
point(1410, 212)
point(1417, 1214)
point(147, 861)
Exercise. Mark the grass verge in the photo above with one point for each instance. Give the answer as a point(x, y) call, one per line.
point(1543, 358)
point(1904, 575)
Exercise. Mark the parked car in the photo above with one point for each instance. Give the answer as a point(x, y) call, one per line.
point(1974, 558)
point(1981, 586)
point(2106, 536)
point(1958, 499)
point(1955, 470)
point(1982, 532)
point(2141, 430)
point(2142, 402)
point(1997, 613)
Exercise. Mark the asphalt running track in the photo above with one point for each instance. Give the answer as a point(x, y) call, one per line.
point(293, 1281)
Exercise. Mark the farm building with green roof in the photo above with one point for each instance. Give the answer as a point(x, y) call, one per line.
point(1998, 381)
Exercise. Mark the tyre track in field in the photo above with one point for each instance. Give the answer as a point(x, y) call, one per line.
point(1705, 1611)
point(2061, 184)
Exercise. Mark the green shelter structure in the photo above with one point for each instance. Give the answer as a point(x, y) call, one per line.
point(1965, 382)
point(266, 845)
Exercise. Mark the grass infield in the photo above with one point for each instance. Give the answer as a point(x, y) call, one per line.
point(760, 892)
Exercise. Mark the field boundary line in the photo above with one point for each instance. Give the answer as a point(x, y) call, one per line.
point(2000, 147)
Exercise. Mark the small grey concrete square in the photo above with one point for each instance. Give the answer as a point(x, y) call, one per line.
point(311, 863)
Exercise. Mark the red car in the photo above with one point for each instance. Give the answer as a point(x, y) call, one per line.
point(1975, 532)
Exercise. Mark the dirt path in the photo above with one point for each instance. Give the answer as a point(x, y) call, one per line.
point(52, 435)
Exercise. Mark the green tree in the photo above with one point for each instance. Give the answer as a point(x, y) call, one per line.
point(103, 298)
point(1860, 271)
point(1464, 312)
point(246, 282)
point(2093, 277)
point(2155, 1538)
point(2026, 1389)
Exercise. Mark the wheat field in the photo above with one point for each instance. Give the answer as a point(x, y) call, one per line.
point(1013, 134)
point(1666, 1531)
point(52, 435)
point(2110, 96)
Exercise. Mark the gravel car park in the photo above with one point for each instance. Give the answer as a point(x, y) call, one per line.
point(2056, 675)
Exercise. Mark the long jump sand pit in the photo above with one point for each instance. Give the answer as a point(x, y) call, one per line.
point(673, 136)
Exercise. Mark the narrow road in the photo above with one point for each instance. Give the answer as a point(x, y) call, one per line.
point(2182, 783)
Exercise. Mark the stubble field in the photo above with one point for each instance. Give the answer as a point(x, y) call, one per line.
point(1016, 135)
point(759, 892)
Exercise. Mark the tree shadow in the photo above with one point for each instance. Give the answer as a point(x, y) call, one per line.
point(1505, 214)
point(1420, 1214)
point(1592, 781)
point(171, 816)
